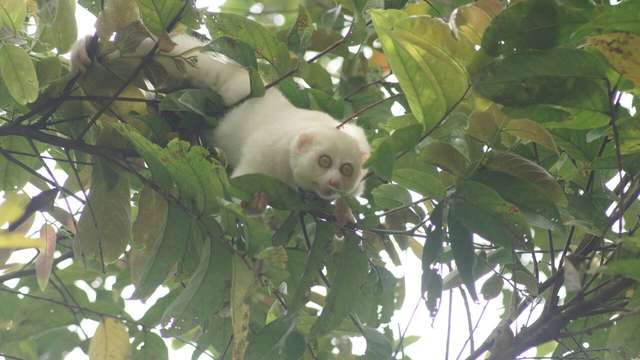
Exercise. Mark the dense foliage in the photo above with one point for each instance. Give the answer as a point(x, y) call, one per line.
point(508, 166)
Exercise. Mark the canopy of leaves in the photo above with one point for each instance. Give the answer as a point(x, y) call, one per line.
point(506, 158)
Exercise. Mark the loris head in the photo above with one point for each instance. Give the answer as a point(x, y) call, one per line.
point(328, 161)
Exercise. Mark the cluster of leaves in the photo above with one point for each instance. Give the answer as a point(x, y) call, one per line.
point(495, 176)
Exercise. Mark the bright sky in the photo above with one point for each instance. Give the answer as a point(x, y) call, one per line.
point(432, 333)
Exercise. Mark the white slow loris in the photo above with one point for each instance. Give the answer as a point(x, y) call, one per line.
point(267, 135)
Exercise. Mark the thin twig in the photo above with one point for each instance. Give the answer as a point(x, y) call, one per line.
point(406, 328)
point(367, 108)
point(28, 169)
point(469, 321)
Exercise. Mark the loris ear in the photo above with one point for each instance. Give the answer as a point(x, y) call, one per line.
point(304, 140)
point(364, 156)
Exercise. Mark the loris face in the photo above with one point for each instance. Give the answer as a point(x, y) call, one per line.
point(327, 162)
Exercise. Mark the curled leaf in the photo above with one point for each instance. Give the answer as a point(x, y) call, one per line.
point(44, 262)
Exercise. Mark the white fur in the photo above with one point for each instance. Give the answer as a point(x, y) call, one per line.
point(262, 135)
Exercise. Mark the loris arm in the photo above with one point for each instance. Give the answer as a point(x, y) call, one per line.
point(204, 69)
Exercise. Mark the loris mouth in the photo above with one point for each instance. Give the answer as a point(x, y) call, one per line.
point(327, 193)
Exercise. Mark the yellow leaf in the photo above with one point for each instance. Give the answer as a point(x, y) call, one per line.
point(110, 342)
point(241, 283)
point(531, 130)
point(420, 8)
point(152, 213)
point(622, 50)
point(115, 16)
point(12, 207)
point(104, 227)
point(44, 262)
point(380, 61)
point(474, 18)
point(18, 241)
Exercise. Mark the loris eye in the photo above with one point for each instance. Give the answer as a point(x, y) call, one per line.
point(324, 161)
point(346, 170)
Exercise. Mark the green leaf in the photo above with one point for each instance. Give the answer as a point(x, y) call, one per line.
point(18, 73)
point(13, 13)
point(203, 102)
point(531, 130)
point(317, 77)
point(153, 347)
point(427, 59)
point(158, 14)
point(389, 196)
point(492, 287)
point(401, 140)
point(189, 167)
point(239, 51)
point(522, 275)
point(533, 24)
point(546, 348)
point(104, 228)
point(431, 285)
point(622, 342)
point(13, 176)
point(462, 245)
point(278, 340)
point(484, 264)
point(446, 156)
point(152, 317)
point(381, 160)
point(351, 272)
point(165, 252)
point(379, 297)
point(150, 152)
point(622, 16)
point(206, 292)
point(627, 267)
point(433, 244)
point(284, 233)
point(378, 345)
point(420, 182)
point(527, 170)
point(49, 70)
point(56, 25)
point(557, 76)
point(250, 32)
point(314, 263)
point(300, 33)
point(557, 117)
point(521, 192)
point(197, 178)
point(281, 195)
point(484, 212)
point(30, 314)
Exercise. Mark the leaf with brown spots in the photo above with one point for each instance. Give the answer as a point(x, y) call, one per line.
point(623, 52)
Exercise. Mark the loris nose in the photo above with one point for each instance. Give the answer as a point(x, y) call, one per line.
point(334, 183)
